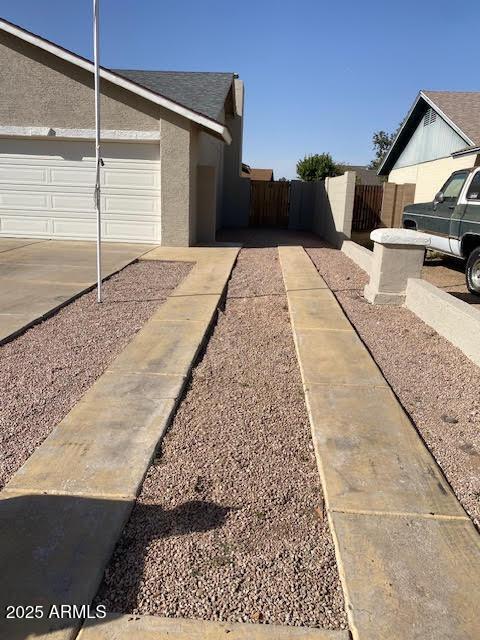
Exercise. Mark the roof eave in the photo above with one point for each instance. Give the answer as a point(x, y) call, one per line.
point(211, 125)
point(389, 152)
point(465, 152)
point(431, 103)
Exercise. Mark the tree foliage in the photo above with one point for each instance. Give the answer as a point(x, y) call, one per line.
point(381, 142)
point(317, 167)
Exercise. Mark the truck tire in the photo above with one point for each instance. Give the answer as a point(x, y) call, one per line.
point(472, 272)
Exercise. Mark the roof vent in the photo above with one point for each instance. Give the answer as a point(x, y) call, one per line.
point(430, 117)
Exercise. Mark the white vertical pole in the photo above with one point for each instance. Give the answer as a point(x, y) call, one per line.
point(98, 161)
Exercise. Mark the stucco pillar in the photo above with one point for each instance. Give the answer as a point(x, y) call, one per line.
point(178, 185)
point(206, 204)
point(397, 256)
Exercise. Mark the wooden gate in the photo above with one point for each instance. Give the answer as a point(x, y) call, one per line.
point(269, 203)
point(367, 207)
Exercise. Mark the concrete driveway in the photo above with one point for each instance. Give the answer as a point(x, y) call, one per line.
point(39, 276)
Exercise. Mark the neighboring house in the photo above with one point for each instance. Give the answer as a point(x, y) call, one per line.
point(364, 174)
point(171, 144)
point(265, 175)
point(440, 134)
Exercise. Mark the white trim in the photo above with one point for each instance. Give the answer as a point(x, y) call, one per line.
point(440, 113)
point(78, 134)
point(465, 152)
point(55, 50)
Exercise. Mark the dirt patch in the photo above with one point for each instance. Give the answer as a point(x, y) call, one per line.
point(47, 370)
point(436, 383)
point(241, 534)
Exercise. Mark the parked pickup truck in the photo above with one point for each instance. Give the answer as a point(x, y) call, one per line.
point(453, 221)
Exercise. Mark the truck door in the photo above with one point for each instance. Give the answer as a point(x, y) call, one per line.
point(466, 217)
point(444, 208)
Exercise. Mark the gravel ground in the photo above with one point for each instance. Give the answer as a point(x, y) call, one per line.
point(449, 274)
point(229, 524)
point(436, 383)
point(47, 370)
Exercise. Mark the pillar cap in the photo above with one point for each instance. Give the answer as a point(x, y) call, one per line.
point(400, 236)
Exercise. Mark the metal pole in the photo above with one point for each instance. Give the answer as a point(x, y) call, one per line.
point(98, 160)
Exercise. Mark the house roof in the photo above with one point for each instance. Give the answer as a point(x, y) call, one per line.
point(209, 122)
point(364, 174)
point(261, 174)
point(200, 90)
point(460, 109)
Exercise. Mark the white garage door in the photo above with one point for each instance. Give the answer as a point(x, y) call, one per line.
point(46, 190)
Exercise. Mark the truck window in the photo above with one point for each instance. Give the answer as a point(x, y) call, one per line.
point(473, 192)
point(451, 189)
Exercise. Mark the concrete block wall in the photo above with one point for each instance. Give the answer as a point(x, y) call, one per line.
point(455, 320)
point(333, 208)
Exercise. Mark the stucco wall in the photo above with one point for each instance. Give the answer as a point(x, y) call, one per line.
point(210, 153)
point(334, 208)
point(430, 176)
point(404, 175)
point(236, 190)
point(206, 204)
point(39, 89)
point(177, 186)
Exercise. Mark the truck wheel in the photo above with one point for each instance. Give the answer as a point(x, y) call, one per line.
point(473, 272)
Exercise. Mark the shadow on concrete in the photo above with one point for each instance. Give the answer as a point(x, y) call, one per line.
point(264, 237)
point(54, 550)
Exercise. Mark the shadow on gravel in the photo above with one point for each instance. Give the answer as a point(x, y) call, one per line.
point(148, 523)
point(54, 549)
point(257, 238)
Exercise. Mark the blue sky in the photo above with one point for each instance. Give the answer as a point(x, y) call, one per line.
point(319, 76)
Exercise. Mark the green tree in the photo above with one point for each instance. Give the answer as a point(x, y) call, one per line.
point(382, 141)
point(317, 167)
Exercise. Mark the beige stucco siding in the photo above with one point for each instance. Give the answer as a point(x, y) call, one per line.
point(403, 175)
point(430, 176)
point(40, 89)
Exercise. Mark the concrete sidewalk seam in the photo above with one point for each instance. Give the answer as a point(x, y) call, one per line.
point(399, 514)
point(395, 563)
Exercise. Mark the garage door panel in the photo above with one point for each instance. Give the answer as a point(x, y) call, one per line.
point(137, 231)
point(82, 203)
point(118, 178)
point(72, 176)
point(23, 200)
point(18, 174)
point(63, 227)
point(46, 189)
point(122, 204)
point(29, 226)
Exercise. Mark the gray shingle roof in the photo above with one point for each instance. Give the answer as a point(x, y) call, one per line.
point(462, 107)
point(201, 91)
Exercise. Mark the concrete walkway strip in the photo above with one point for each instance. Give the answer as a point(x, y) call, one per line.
point(408, 556)
point(125, 627)
point(39, 277)
point(74, 494)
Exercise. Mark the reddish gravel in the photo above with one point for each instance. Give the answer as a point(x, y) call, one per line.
point(47, 370)
point(229, 524)
point(436, 383)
